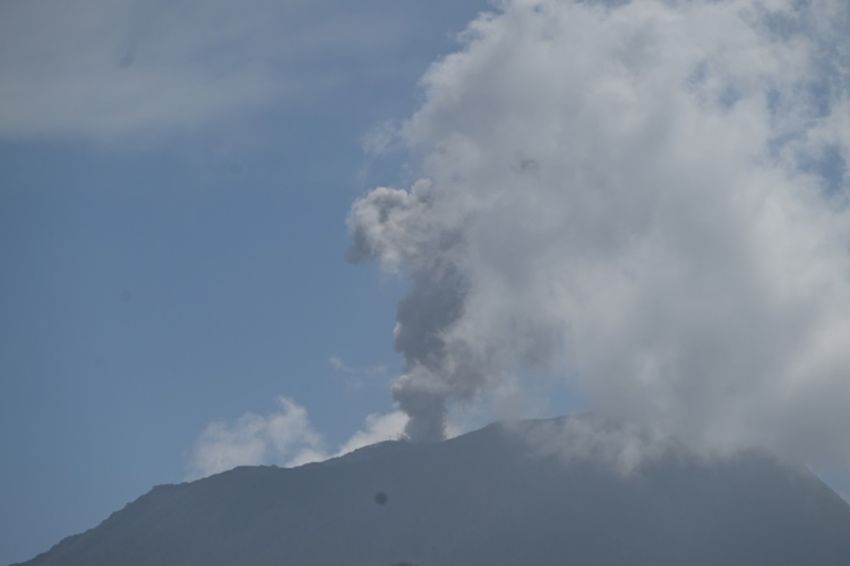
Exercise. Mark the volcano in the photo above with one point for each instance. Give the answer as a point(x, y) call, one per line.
point(487, 498)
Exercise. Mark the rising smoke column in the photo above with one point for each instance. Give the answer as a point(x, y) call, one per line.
point(647, 196)
point(383, 225)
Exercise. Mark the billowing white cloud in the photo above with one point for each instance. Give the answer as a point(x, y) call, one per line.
point(648, 198)
point(284, 438)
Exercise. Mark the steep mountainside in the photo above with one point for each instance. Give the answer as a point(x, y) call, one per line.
point(483, 499)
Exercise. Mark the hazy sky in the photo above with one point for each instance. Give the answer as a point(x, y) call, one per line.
point(634, 208)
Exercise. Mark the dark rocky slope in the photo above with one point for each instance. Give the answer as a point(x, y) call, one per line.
point(483, 499)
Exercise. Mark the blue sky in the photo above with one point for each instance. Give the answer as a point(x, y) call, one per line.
point(162, 270)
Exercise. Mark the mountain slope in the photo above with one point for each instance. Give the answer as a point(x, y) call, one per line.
point(481, 499)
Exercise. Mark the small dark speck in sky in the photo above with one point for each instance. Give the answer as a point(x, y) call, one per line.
point(381, 498)
point(126, 60)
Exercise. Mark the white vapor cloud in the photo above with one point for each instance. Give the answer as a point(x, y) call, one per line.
point(624, 447)
point(649, 198)
point(284, 438)
point(377, 428)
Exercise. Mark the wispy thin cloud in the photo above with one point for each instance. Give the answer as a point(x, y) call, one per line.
point(109, 69)
point(375, 370)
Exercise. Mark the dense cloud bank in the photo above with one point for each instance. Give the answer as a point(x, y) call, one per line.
point(648, 198)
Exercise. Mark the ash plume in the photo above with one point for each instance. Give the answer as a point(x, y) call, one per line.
point(648, 198)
